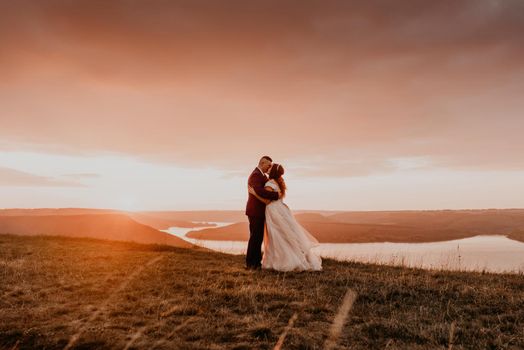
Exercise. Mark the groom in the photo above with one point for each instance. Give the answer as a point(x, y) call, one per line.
point(256, 212)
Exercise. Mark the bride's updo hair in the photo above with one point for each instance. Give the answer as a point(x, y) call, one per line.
point(276, 173)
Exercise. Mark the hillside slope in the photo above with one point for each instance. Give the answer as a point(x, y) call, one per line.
point(160, 221)
point(99, 295)
point(118, 227)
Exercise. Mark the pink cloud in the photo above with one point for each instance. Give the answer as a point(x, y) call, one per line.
point(15, 178)
point(351, 84)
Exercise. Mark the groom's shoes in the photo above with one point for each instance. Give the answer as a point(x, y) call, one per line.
point(250, 267)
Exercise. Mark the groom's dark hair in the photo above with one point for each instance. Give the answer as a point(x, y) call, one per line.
point(266, 158)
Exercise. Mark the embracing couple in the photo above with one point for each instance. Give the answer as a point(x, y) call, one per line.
point(287, 245)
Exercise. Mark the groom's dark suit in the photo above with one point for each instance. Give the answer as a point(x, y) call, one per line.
point(256, 212)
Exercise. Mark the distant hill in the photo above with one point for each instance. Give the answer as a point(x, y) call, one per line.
point(200, 215)
point(517, 235)
point(234, 232)
point(240, 230)
point(404, 225)
point(119, 227)
point(312, 217)
point(158, 220)
point(478, 222)
point(334, 232)
point(393, 226)
point(163, 222)
point(218, 215)
point(341, 227)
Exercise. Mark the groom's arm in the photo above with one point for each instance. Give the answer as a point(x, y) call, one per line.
point(258, 186)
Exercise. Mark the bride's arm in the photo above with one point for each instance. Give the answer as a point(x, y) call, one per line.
point(258, 186)
point(254, 193)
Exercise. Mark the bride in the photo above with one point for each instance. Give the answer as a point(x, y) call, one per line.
point(287, 245)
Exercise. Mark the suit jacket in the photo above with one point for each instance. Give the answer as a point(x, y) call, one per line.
point(254, 207)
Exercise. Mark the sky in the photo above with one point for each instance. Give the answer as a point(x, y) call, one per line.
point(158, 105)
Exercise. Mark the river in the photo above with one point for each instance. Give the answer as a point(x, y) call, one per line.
point(494, 253)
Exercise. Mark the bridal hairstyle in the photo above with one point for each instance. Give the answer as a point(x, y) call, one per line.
point(276, 173)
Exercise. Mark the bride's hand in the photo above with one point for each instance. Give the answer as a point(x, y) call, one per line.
point(251, 190)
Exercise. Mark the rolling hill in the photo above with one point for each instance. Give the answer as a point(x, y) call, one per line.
point(334, 232)
point(112, 226)
point(158, 220)
point(163, 222)
point(200, 215)
point(482, 221)
point(392, 226)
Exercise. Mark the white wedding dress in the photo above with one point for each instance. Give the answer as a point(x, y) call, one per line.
point(287, 245)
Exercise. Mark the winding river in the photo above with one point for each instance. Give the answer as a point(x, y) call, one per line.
point(493, 253)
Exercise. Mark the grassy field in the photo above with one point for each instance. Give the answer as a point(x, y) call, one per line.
point(59, 292)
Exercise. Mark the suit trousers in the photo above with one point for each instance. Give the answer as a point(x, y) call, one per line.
point(256, 236)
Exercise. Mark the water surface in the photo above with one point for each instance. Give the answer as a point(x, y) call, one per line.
point(493, 253)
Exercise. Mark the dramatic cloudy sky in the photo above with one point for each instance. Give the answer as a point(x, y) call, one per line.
point(169, 104)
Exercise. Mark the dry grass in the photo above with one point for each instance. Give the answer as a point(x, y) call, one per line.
point(124, 295)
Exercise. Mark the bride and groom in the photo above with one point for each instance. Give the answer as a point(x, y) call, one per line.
point(287, 245)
